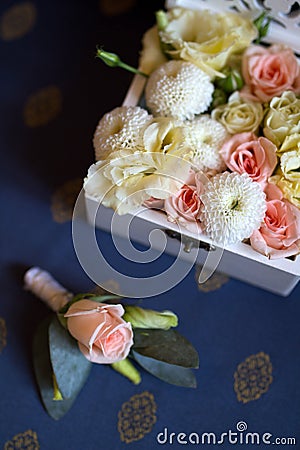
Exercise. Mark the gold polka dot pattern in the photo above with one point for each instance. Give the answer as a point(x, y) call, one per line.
point(43, 106)
point(215, 282)
point(23, 441)
point(115, 7)
point(137, 417)
point(253, 377)
point(63, 200)
point(17, 21)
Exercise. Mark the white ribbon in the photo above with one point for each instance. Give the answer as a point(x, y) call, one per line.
point(45, 287)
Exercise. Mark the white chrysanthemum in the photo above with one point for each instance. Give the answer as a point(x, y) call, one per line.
point(178, 89)
point(120, 129)
point(234, 206)
point(206, 137)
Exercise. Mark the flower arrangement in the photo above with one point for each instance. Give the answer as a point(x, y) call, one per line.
point(215, 142)
point(101, 329)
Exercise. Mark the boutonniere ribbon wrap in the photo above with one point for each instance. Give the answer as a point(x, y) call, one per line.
point(88, 329)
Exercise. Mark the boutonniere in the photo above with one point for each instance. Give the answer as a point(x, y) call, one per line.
point(87, 329)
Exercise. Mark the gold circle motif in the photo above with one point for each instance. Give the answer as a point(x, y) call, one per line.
point(63, 200)
point(3, 334)
point(42, 106)
point(107, 287)
point(253, 377)
point(115, 7)
point(17, 21)
point(216, 281)
point(23, 441)
point(137, 417)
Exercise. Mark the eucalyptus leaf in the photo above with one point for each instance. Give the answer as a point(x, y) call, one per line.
point(170, 373)
point(167, 346)
point(44, 373)
point(71, 368)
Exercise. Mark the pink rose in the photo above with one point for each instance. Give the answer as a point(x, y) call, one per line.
point(184, 208)
point(247, 153)
point(268, 72)
point(103, 336)
point(279, 234)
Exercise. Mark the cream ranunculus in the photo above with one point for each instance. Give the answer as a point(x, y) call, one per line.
point(206, 38)
point(282, 118)
point(239, 115)
point(127, 178)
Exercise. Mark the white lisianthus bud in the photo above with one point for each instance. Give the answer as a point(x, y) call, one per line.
point(147, 318)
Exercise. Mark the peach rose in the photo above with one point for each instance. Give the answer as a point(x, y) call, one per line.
point(247, 153)
point(268, 72)
point(279, 234)
point(103, 336)
point(184, 207)
point(154, 203)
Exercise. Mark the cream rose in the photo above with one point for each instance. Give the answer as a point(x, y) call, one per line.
point(282, 118)
point(279, 234)
point(290, 165)
point(204, 38)
point(268, 72)
point(247, 153)
point(239, 115)
point(126, 179)
point(103, 336)
point(290, 189)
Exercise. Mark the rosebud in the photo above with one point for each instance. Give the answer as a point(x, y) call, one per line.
point(161, 20)
point(233, 81)
point(147, 318)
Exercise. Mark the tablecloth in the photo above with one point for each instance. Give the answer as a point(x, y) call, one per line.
point(53, 93)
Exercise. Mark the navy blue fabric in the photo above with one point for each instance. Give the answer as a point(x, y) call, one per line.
point(226, 325)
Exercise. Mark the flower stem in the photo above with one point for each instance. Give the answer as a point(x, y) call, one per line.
point(45, 287)
point(113, 60)
point(127, 369)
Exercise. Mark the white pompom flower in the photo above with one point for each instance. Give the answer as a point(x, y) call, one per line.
point(233, 207)
point(178, 89)
point(120, 129)
point(206, 137)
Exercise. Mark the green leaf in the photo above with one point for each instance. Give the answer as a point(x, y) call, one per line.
point(71, 368)
point(44, 372)
point(166, 346)
point(105, 298)
point(170, 373)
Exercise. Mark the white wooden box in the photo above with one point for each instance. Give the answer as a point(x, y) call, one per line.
point(239, 261)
